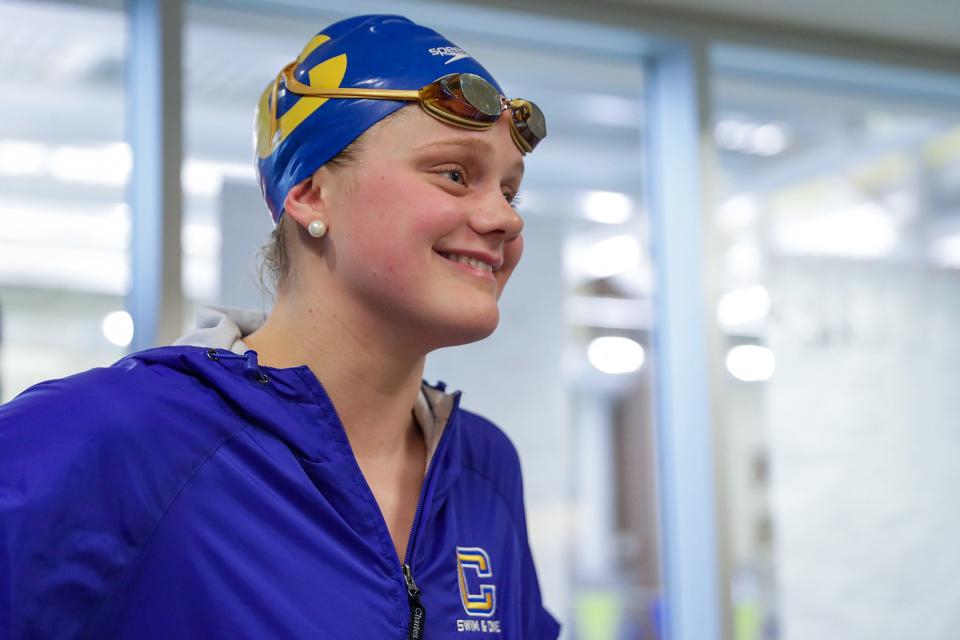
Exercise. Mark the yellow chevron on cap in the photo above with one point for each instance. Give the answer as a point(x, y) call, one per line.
point(327, 74)
point(311, 46)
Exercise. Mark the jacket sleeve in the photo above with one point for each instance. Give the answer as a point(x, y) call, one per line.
point(65, 531)
point(496, 451)
point(88, 465)
point(539, 624)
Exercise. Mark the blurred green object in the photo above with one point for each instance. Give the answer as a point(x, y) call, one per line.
point(747, 621)
point(599, 614)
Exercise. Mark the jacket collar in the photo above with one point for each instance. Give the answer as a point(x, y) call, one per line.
point(223, 327)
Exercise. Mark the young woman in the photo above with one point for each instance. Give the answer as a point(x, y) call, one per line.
point(293, 476)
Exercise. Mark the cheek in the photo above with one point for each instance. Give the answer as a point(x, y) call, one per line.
point(388, 205)
point(392, 231)
point(380, 250)
point(432, 214)
point(375, 216)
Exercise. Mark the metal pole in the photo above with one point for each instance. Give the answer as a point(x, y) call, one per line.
point(154, 131)
point(678, 148)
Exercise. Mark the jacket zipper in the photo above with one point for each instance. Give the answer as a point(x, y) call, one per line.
point(418, 614)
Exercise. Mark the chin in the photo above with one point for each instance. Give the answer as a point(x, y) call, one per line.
point(468, 327)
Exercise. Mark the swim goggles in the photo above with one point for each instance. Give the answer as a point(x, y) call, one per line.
point(462, 99)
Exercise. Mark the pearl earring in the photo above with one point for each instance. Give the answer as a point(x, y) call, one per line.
point(317, 228)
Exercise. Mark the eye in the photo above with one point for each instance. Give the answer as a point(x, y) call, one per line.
point(513, 199)
point(456, 175)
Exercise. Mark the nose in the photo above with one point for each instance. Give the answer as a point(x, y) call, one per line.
point(495, 215)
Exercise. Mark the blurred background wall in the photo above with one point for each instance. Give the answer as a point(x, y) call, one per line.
point(790, 475)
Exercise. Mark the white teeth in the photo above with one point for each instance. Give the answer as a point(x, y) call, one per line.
point(467, 260)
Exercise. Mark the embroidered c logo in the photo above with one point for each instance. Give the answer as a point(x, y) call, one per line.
point(483, 600)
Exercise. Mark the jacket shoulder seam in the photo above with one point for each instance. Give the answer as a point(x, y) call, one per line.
point(193, 474)
point(496, 490)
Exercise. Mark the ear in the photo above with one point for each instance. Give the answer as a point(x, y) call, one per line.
point(305, 202)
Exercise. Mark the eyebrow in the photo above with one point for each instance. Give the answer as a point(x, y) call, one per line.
point(476, 145)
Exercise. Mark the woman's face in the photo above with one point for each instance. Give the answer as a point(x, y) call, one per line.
point(420, 189)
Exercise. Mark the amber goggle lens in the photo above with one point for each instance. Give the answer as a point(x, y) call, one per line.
point(470, 101)
point(529, 122)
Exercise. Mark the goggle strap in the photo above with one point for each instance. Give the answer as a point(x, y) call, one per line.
point(299, 88)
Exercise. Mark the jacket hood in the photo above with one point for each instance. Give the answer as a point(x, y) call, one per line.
point(214, 352)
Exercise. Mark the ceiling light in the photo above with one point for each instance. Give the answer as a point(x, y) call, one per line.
point(107, 165)
point(865, 230)
point(118, 328)
point(743, 306)
point(609, 257)
point(751, 363)
point(201, 178)
point(766, 139)
point(22, 158)
point(614, 354)
point(610, 207)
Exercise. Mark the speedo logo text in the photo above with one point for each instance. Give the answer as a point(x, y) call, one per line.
point(455, 53)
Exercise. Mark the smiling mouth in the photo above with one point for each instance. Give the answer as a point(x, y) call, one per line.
point(466, 261)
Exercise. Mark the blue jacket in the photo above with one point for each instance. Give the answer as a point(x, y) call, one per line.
point(187, 492)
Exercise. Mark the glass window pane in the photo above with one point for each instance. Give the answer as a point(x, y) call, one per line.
point(64, 225)
point(839, 229)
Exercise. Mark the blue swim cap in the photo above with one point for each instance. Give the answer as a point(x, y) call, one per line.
point(374, 52)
